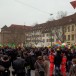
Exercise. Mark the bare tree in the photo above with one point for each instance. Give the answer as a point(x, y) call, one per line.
point(61, 14)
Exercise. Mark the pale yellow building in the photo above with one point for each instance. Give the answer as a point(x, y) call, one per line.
point(47, 33)
point(70, 34)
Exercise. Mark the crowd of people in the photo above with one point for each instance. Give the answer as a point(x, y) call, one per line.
point(45, 61)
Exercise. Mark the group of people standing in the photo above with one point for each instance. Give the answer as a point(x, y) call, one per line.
point(44, 61)
point(59, 62)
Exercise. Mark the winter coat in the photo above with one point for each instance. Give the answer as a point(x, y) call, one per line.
point(72, 71)
point(19, 65)
point(46, 66)
point(38, 68)
point(5, 62)
point(58, 59)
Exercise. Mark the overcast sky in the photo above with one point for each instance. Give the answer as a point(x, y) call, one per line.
point(29, 12)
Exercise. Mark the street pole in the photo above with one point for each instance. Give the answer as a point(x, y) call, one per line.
point(51, 38)
point(51, 32)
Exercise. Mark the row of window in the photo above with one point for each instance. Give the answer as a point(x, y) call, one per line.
point(68, 29)
point(70, 37)
point(42, 35)
point(47, 40)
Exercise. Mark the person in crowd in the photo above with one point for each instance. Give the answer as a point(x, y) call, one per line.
point(19, 66)
point(30, 63)
point(37, 52)
point(63, 64)
point(5, 62)
point(39, 67)
point(1, 67)
point(57, 62)
point(69, 59)
point(51, 59)
point(1, 70)
point(13, 53)
point(46, 51)
point(72, 71)
point(46, 65)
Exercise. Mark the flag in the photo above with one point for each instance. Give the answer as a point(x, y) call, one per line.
point(73, 3)
point(9, 45)
point(58, 42)
point(12, 45)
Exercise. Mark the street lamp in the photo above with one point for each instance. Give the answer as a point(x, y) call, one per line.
point(51, 32)
point(51, 38)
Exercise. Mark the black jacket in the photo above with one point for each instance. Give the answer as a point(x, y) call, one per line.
point(19, 65)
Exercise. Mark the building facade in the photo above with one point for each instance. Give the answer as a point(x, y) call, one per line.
point(44, 34)
point(47, 33)
point(0, 37)
point(14, 34)
point(70, 34)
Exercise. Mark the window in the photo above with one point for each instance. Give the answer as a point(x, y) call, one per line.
point(65, 38)
point(47, 34)
point(68, 43)
point(47, 40)
point(68, 28)
point(72, 27)
point(65, 29)
point(43, 40)
point(52, 40)
point(43, 35)
point(68, 37)
point(73, 37)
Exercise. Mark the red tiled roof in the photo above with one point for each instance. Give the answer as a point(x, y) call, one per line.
point(60, 22)
point(24, 27)
point(64, 21)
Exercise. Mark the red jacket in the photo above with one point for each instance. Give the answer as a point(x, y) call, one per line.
point(51, 58)
point(64, 60)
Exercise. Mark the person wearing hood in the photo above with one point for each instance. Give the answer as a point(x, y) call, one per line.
point(5, 62)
